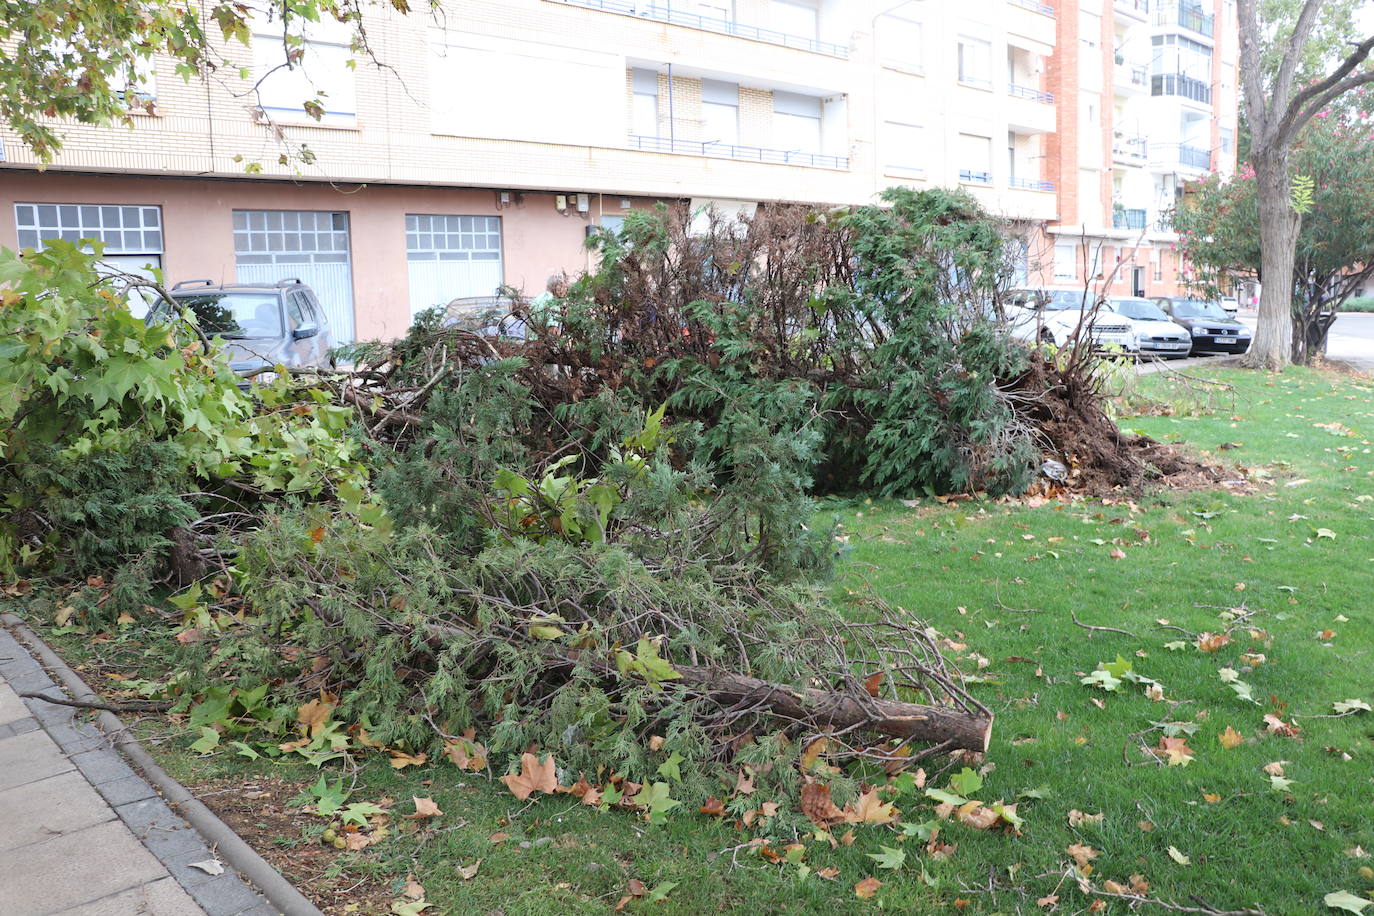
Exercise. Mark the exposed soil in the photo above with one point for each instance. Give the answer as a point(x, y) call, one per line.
point(259, 811)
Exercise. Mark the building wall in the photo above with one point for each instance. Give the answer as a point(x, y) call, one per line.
point(423, 140)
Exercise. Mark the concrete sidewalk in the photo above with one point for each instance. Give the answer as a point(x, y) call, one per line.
point(81, 832)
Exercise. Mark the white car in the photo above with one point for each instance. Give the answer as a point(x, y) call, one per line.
point(1053, 316)
point(1153, 333)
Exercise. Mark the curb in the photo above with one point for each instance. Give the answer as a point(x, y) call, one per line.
point(279, 892)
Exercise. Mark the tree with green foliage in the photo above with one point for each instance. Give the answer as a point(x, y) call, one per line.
point(1335, 246)
point(1279, 105)
point(80, 60)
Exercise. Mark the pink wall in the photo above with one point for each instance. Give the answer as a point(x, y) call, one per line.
point(537, 240)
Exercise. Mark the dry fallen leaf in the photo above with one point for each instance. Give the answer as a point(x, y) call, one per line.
point(1212, 642)
point(498, 838)
point(314, 714)
point(400, 759)
point(209, 866)
point(1047, 903)
point(714, 807)
point(468, 872)
point(424, 807)
point(869, 809)
point(414, 889)
point(1277, 726)
point(1082, 854)
point(867, 888)
point(534, 776)
point(829, 874)
point(1078, 818)
point(818, 806)
point(1230, 738)
point(1275, 768)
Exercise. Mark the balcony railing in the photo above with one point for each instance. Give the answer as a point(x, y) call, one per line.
point(969, 176)
point(1139, 7)
point(1188, 15)
point(1133, 74)
point(662, 13)
point(1180, 85)
point(1031, 184)
point(1130, 147)
point(1181, 154)
point(1128, 219)
point(1035, 6)
point(1016, 90)
point(740, 153)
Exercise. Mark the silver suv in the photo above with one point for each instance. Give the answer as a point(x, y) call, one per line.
point(262, 325)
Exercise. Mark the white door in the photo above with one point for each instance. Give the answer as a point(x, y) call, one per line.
point(309, 245)
point(451, 257)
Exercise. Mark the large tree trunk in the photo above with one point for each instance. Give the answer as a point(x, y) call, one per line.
point(1278, 228)
point(825, 710)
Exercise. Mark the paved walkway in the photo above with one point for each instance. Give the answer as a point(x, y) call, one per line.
point(81, 832)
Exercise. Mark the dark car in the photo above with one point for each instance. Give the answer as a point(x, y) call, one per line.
point(261, 325)
point(1213, 330)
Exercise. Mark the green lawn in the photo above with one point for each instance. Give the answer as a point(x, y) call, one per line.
point(1005, 580)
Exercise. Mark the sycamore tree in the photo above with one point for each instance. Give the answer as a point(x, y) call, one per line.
point(80, 60)
point(1333, 193)
point(1280, 103)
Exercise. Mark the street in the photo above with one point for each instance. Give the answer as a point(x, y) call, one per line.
point(1351, 341)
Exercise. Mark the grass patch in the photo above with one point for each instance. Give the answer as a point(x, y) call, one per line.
point(1006, 581)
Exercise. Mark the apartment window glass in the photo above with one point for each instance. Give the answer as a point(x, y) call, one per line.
point(900, 41)
point(796, 122)
point(1228, 140)
point(322, 74)
point(975, 159)
point(720, 112)
point(1065, 262)
point(975, 62)
point(644, 104)
point(1089, 29)
point(271, 245)
point(903, 149)
point(795, 17)
point(122, 229)
point(451, 257)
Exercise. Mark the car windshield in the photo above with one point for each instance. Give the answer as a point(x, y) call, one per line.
point(1058, 300)
point(1138, 309)
point(255, 315)
point(1197, 308)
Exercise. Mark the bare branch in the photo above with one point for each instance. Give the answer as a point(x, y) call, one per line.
point(1292, 55)
point(1315, 97)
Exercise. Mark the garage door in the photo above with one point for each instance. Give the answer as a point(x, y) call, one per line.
point(312, 245)
point(451, 257)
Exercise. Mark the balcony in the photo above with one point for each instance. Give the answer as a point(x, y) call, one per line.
point(1133, 9)
point(971, 176)
point(1130, 150)
point(1031, 19)
point(1030, 110)
point(660, 12)
point(1031, 184)
point(1132, 78)
point(1171, 156)
point(1034, 6)
point(1189, 16)
point(1128, 219)
point(715, 150)
point(1183, 86)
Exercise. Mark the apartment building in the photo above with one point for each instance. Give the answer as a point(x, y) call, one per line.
point(1148, 98)
point(486, 142)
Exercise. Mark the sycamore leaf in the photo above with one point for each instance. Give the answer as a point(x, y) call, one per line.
point(1341, 707)
point(1102, 678)
point(534, 776)
point(669, 768)
point(315, 714)
point(1344, 900)
point(1326, 533)
point(357, 813)
point(1082, 854)
point(468, 872)
point(966, 782)
point(661, 892)
point(400, 759)
point(1230, 738)
point(328, 799)
point(209, 866)
point(869, 809)
point(1179, 857)
point(656, 802)
point(207, 742)
point(1175, 751)
point(424, 807)
point(1078, 818)
point(889, 857)
point(1279, 783)
point(867, 888)
point(949, 798)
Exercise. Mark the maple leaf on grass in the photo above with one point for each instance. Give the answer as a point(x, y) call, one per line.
point(817, 805)
point(870, 809)
point(1344, 900)
point(867, 888)
point(534, 776)
point(1083, 855)
point(1230, 738)
point(1277, 726)
point(424, 807)
point(1174, 751)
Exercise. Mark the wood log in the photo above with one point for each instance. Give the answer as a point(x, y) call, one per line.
point(827, 709)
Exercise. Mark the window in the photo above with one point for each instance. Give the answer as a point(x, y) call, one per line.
point(1089, 29)
point(1090, 101)
point(795, 17)
point(1228, 140)
point(975, 159)
point(796, 122)
point(903, 146)
point(452, 257)
point(644, 113)
point(321, 74)
point(1157, 259)
point(975, 62)
point(1065, 262)
point(900, 41)
point(720, 112)
point(123, 230)
point(309, 245)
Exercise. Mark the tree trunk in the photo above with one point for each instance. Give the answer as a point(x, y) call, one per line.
point(1278, 228)
point(825, 710)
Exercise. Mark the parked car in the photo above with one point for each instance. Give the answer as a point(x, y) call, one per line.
point(1230, 305)
point(1053, 316)
point(262, 325)
point(1211, 329)
point(1152, 332)
point(490, 316)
